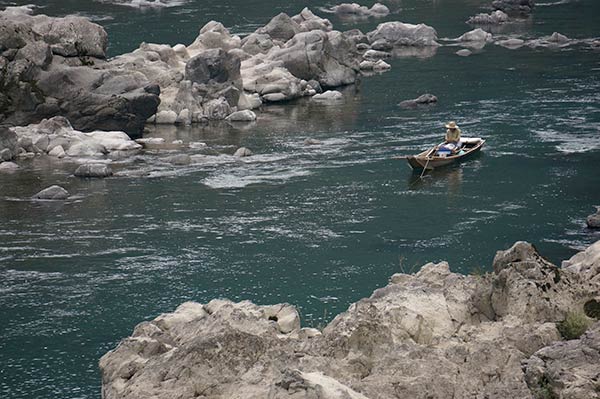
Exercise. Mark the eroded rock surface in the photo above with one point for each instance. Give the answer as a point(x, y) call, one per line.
point(434, 334)
point(56, 66)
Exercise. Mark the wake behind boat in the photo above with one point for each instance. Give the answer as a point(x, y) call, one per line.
point(439, 155)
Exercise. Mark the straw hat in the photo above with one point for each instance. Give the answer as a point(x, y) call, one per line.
point(451, 125)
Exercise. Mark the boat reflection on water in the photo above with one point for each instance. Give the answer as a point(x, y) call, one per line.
point(452, 176)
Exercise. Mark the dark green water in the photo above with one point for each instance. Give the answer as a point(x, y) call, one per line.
point(317, 226)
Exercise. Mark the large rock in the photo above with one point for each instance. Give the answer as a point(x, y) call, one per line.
point(281, 28)
point(52, 193)
point(58, 68)
point(567, 369)
point(218, 74)
point(308, 21)
point(214, 35)
point(427, 335)
point(401, 34)
point(327, 57)
point(70, 36)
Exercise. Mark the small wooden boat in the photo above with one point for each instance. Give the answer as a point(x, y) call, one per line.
point(435, 157)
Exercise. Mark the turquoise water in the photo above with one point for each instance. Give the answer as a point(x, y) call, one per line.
point(317, 226)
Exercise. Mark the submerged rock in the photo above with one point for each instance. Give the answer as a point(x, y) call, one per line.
point(593, 220)
point(52, 193)
point(94, 170)
point(518, 7)
point(511, 44)
point(242, 152)
point(422, 336)
point(8, 166)
point(242, 116)
point(464, 52)
point(329, 95)
point(423, 99)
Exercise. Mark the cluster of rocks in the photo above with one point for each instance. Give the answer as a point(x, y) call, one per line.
point(56, 66)
point(55, 137)
point(354, 10)
point(434, 334)
point(554, 41)
point(220, 74)
point(503, 12)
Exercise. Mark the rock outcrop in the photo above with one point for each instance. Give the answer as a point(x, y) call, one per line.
point(56, 137)
point(56, 66)
point(434, 334)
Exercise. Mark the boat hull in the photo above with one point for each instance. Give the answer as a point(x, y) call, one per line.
point(425, 161)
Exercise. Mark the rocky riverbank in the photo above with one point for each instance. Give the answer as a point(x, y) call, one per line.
point(434, 334)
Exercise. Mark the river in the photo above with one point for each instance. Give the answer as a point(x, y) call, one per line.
point(319, 226)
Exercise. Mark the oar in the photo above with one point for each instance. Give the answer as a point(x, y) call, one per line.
point(428, 159)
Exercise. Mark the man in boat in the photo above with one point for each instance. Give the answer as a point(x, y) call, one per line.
point(452, 137)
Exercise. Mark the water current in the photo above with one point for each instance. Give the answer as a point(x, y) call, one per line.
point(318, 226)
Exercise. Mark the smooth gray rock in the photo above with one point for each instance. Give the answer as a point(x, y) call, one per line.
point(52, 193)
point(94, 170)
point(593, 220)
point(328, 96)
point(401, 34)
point(327, 57)
point(242, 152)
point(464, 52)
point(353, 10)
point(241, 116)
point(8, 166)
point(476, 35)
point(281, 27)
